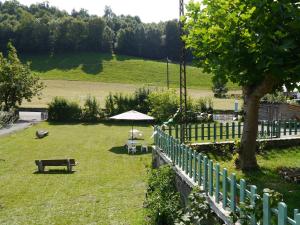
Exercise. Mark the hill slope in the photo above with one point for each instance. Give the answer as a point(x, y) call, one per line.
point(114, 69)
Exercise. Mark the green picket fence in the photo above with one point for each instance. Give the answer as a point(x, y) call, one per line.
point(218, 184)
point(213, 132)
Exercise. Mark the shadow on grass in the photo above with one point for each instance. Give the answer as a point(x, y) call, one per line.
point(269, 154)
point(55, 171)
point(90, 62)
point(122, 150)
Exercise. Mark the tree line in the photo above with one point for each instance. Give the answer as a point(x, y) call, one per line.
point(41, 28)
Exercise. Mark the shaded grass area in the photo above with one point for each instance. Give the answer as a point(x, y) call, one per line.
point(267, 176)
point(114, 69)
point(107, 187)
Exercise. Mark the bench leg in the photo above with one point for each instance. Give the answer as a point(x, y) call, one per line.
point(41, 168)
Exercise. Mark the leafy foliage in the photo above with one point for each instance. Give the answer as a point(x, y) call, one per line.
point(7, 118)
point(253, 43)
point(44, 28)
point(16, 80)
point(162, 200)
point(198, 211)
point(163, 104)
point(91, 111)
point(219, 87)
point(247, 209)
point(277, 97)
point(62, 110)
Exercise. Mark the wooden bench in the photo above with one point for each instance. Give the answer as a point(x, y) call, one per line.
point(69, 163)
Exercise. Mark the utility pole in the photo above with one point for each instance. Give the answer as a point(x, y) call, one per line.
point(183, 91)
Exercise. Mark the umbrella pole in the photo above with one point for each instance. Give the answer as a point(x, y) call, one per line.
point(132, 131)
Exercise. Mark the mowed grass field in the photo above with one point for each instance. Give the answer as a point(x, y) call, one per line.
point(108, 186)
point(79, 90)
point(114, 69)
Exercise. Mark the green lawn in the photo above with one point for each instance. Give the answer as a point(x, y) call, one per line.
point(108, 186)
point(267, 176)
point(114, 69)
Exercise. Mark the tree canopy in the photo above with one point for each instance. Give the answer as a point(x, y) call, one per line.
point(16, 80)
point(254, 43)
point(41, 28)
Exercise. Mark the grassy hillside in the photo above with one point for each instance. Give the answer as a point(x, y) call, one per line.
point(113, 69)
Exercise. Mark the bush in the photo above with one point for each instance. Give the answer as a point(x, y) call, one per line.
point(197, 211)
point(204, 105)
point(141, 97)
point(119, 103)
point(7, 118)
point(91, 111)
point(219, 87)
point(62, 110)
point(163, 104)
point(162, 199)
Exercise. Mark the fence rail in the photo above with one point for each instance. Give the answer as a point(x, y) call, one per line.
point(223, 188)
point(230, 131)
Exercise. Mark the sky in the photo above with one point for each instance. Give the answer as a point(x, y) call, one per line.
point(147, 10)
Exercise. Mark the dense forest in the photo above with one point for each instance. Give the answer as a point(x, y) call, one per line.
point(41, 28)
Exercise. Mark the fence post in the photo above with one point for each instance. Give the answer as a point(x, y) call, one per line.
point(242, 190)
point(190, 132)
point(224, 183)
point(297, 219)
point(211, 175)
point(191, 162)
point(233, 130)
point(239, 129)
point(196, 131)
point(221, 131)
point(279, 129)
point(180, 156)
point(202, 131)
point(182, 161)
point(227, 131)
point(232, 192)
point(186, 149)
point(208, 131)
point(253, 189)
point(217, 191)
point(284, 130)
point(290, 127)
point(195, 166)
point(215, 132)
point(282, 214)
point(199, 168)
point(296, 127)
point(205, 174)
point(266, 209)
point(262, 129)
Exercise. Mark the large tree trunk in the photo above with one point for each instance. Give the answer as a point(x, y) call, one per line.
point(248, 144)
point(252, 96)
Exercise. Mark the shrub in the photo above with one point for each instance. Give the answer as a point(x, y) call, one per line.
point(62, 110)
point(163, 104)
point(141, 96)
point(119, 103)
point(219, 87)
point(91, 111)
point(197, 211)
point(7, 118)
point(162, 199)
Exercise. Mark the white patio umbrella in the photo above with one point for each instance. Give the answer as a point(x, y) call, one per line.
point(132, 116)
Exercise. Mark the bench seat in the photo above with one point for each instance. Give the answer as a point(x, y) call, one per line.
point(69, 163)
